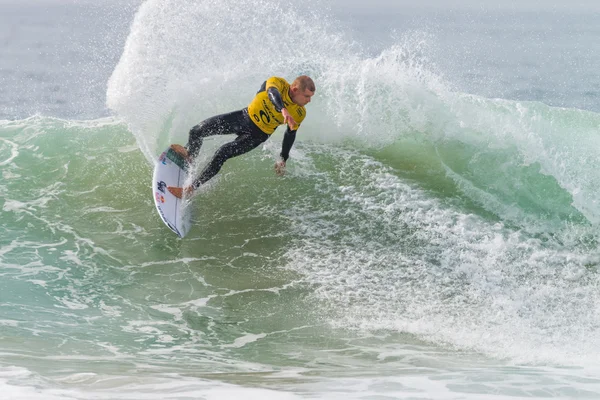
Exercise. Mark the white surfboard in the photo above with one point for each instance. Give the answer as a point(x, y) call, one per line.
point(170, 171)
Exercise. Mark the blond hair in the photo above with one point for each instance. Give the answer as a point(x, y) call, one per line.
point(303, 83)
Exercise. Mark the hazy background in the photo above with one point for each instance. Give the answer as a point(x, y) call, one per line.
point(482, 47)
point(58, 55)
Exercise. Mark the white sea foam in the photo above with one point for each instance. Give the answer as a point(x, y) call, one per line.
point(441, 274)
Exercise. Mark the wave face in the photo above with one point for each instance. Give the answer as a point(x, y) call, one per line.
point(185, 61)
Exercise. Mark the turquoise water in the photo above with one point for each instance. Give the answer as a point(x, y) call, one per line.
point(432, 239)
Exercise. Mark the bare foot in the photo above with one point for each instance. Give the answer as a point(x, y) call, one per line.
point(182, 151)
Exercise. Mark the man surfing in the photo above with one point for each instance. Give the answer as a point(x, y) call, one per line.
point(276, 103)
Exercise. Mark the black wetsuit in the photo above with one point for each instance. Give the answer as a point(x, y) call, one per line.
point(249, 136)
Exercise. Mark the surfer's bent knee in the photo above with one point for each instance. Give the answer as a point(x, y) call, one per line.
point(197, 131)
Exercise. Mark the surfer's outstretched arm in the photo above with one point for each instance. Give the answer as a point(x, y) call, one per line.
point(288, 142)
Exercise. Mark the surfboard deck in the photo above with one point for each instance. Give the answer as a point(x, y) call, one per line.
point(170, 170)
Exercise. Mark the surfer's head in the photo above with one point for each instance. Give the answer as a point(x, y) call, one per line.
point(301, 90)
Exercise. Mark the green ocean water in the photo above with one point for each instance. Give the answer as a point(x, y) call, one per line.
point(351, 256)
point(425, 243)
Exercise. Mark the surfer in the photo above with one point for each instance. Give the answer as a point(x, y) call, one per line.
point(276, 103)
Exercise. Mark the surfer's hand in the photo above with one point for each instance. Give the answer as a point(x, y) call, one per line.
point(180, 192)
point(280, 167)
point(288, 119)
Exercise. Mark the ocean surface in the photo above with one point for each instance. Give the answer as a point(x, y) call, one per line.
point(436, 235)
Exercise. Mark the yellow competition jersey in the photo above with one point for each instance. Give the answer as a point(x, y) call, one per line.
point(263, 113)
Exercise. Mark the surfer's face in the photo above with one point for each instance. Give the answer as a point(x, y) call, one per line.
point(300, 97)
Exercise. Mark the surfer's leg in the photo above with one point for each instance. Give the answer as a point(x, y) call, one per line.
point(223, 124)
point(242, 144)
